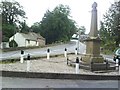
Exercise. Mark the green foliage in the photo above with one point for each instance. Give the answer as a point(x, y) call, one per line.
point(8, 31)
point(12, 43)
point(56, 25)
point(12, 13)
point(36, 27)
point(24, 28)
point(82, 29)
point(110, 27)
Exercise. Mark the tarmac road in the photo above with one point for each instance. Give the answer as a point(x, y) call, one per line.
point(59, 49)
point(54, 50)
point(8, 82)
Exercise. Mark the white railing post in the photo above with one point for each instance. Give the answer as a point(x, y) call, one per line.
point(65, 52)
point(119, 69)
point(48, 53)
point(75, 51)
point(28, 62)
point(116, 62)
point(77, 66)
point(22, 56)
point(119, 66)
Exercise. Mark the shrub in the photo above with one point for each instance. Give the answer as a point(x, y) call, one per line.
point(12, 43)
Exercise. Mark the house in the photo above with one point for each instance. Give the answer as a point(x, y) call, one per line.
point(81, 38)
point(29, 39)
point(4, 45)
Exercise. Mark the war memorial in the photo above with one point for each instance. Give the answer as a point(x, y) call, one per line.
point(92, 56)
point(92, 60)
point(57, 66)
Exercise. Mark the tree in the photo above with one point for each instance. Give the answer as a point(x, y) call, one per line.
point(110, 26)
point(7, 31)
point(12, 43)
point(36, 27)
point(56, 25)
point(11, 12)
point(82, 29)
point(24, 27)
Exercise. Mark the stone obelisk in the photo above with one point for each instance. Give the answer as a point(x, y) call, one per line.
point(93, 41)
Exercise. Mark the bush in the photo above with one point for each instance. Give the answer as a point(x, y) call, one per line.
point(12, 43)
point(110, 46)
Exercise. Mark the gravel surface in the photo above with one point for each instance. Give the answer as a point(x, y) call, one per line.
point(53, 65)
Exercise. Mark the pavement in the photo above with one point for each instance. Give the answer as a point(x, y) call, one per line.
point(53, 65)
point(53, 84)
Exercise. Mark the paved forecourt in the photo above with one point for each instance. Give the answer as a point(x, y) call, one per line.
point(53, 67)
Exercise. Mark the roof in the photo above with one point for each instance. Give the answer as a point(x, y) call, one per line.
point(81, 36)
point(32, 36)
point(75, 36)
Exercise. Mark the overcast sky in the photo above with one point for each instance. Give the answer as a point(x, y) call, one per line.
point(80, 9)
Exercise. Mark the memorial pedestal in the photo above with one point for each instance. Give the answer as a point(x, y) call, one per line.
point(93, 51)
point(92, 56)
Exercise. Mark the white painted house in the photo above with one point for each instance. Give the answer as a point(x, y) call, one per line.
point(4, 45)
point(26, 40)
point(82, 37)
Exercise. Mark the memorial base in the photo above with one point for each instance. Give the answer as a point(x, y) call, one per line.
point(90, 58)
point(94, 63)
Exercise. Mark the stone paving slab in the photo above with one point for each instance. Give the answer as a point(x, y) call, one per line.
point(53, 65)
